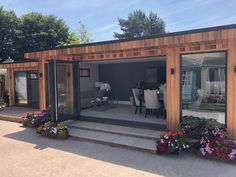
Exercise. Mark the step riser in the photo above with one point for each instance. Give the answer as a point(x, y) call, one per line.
point(113, 144)
point(115, 133)
point(10, 118)
point(125, 123)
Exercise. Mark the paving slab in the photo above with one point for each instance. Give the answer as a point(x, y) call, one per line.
point(25, 154)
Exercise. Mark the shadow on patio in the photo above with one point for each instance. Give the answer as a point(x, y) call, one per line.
point(160, 165)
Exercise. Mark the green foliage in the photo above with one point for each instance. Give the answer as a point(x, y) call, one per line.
point(40, 32)
point(34, 31)
point(139, 24)
point(81, 36)
point(8, 33)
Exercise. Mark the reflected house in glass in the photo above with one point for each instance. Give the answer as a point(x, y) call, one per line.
point(198, 67)
point(203, 84)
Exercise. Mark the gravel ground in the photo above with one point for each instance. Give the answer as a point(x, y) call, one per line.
point(25, 154)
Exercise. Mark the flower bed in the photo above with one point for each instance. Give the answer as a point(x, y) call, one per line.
point(53, 130)
point(41, 121)
point(35, 120)
point(205, 137)
point(172, 142)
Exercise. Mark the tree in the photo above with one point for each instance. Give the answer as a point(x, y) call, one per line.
point(41, 32)
point(35, 31)
point(139, 24)
point(8, 33)
point(81, 36)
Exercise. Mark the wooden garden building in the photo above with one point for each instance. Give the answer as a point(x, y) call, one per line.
point(192, 73)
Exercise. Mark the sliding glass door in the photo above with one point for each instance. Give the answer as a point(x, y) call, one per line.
point(203, 82)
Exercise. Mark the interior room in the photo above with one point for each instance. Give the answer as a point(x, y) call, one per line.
point(124, 89)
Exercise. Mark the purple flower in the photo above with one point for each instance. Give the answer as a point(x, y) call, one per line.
point(203, 151)
point(232, 155)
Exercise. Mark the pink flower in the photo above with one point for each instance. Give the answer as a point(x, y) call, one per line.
point(41, 114)
point(208, 149)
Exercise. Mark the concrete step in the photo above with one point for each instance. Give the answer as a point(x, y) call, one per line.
point(117, 129)
point(10, 118)
point(135, 143)
point(115, 135)
point(122, 122)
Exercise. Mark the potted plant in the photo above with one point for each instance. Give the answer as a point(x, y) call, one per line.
point(53, 130)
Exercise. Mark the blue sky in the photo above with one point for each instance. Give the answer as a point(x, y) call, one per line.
point(100, 16)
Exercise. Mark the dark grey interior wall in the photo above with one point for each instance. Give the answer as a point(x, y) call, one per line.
point(124, 76)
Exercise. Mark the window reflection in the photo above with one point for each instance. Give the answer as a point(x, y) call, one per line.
point(203, 85)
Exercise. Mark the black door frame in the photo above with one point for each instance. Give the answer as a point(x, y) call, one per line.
point(28, 87)
point(53, 96)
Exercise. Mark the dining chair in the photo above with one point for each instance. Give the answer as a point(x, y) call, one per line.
point(136, 100)
point(151, 102)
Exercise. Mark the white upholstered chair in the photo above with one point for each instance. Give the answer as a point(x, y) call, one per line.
point(151, 102)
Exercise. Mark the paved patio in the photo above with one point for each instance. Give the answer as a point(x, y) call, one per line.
point(26, 154)
point(14, 113)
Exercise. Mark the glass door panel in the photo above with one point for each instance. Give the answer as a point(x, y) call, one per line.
point(33, 89)
point(204, 85)
point(21, 95)
point(65, 91)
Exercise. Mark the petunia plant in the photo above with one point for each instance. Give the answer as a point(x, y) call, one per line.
point(205, 137)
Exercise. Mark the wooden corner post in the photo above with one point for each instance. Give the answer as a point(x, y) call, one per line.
point(231, 86)
point(42, 85)
point(10, 86)
point(173, 87)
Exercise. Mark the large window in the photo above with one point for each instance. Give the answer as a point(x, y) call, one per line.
point(204, 85)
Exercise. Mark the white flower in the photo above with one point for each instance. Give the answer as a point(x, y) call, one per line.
point(54, 130)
